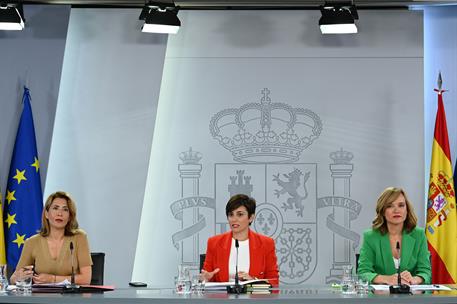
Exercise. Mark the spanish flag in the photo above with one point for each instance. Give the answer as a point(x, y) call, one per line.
point(441, 228)
point(2, 235)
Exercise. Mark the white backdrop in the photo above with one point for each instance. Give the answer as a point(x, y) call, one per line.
point(103, 128)
point(364, 90)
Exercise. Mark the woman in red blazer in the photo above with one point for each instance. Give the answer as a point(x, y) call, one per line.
point(257, 254)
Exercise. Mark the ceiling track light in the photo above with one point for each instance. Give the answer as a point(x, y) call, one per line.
point(338, 18)
point(160, 18)
point(11, 16)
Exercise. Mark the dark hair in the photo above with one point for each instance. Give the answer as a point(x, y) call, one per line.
point(239, 200)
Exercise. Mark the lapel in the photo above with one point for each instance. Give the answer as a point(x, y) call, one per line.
point(226, 245)
point(407, 246)
point(254, 244)
point(386, 253)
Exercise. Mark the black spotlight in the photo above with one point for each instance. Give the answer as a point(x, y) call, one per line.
point(160, 18)
point(338, 18)
point(11, 17)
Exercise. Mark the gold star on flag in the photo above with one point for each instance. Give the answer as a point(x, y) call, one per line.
point(19, 240)
point(20, 176)
point(36, 164)
point(10, 196)
point(11, 220)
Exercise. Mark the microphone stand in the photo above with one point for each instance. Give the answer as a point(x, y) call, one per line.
point(72, 288)
point(400, 288)
point(237, 288)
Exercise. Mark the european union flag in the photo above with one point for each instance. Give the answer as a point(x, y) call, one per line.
point(24, 197)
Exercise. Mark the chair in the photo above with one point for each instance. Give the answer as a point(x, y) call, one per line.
point(202, 261)
point(98, 267)
point(9, 272)
point(357, 255)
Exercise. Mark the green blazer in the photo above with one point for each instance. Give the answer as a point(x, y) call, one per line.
point(376, 255)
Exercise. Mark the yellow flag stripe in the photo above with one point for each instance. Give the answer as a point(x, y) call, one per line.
point(2, 236)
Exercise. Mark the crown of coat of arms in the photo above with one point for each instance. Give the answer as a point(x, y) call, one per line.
point(269, 131)
point(341, 157)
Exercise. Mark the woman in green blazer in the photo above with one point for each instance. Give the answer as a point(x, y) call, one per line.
point(395, 222)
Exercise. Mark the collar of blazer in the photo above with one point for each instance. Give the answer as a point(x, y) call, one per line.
point(254, 240)
point(406, 249)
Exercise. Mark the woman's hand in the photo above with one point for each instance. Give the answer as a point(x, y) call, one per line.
point(417, 280)
point(207, 276)
point(410, 280)
point(43, 278)
point(389, 280)
point(244, 276)
point(26, 271)
point(392, 279)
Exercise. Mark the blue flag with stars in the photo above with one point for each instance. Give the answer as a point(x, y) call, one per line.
point(24, 198)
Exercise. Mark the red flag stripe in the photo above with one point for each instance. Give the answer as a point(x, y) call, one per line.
point(441, 135)
point(440, 275)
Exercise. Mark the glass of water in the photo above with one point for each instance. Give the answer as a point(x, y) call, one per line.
point(347, 280)
point(24, 283)
point(183, 284)
point(198, 285)
point(3, 279)
point(361, 285)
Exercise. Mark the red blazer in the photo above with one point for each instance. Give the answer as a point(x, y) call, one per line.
point(262, 257)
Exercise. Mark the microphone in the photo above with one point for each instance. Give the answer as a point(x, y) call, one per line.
point(237, 245)
point(72, 264)
point(72, 288)
point(400, 288)
point(237, 288)
point(398, 268)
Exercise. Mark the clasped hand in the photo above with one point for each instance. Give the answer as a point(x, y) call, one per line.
point(406, 278)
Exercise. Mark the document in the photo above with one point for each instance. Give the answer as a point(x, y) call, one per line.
point(430, 287)
point(413, 287)
point(63, 283)
point(60, 288)
point(223, 285)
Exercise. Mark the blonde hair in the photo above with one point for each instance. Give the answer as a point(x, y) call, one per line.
point(389, 195)
point(72, 226)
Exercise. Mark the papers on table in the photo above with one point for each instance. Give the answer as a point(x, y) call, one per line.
point(413, 287)
point(63, 283)
point(223, 285)
point(65, 286)
point(430, 287)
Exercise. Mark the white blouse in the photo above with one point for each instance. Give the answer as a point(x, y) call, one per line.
point(396, 263)
point(243, 258)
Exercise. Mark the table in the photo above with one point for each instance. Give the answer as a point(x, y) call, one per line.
point(303, 294)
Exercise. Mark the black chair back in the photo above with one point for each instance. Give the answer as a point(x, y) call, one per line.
point(98, 267)
point(357, 255)
point(202, 261)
